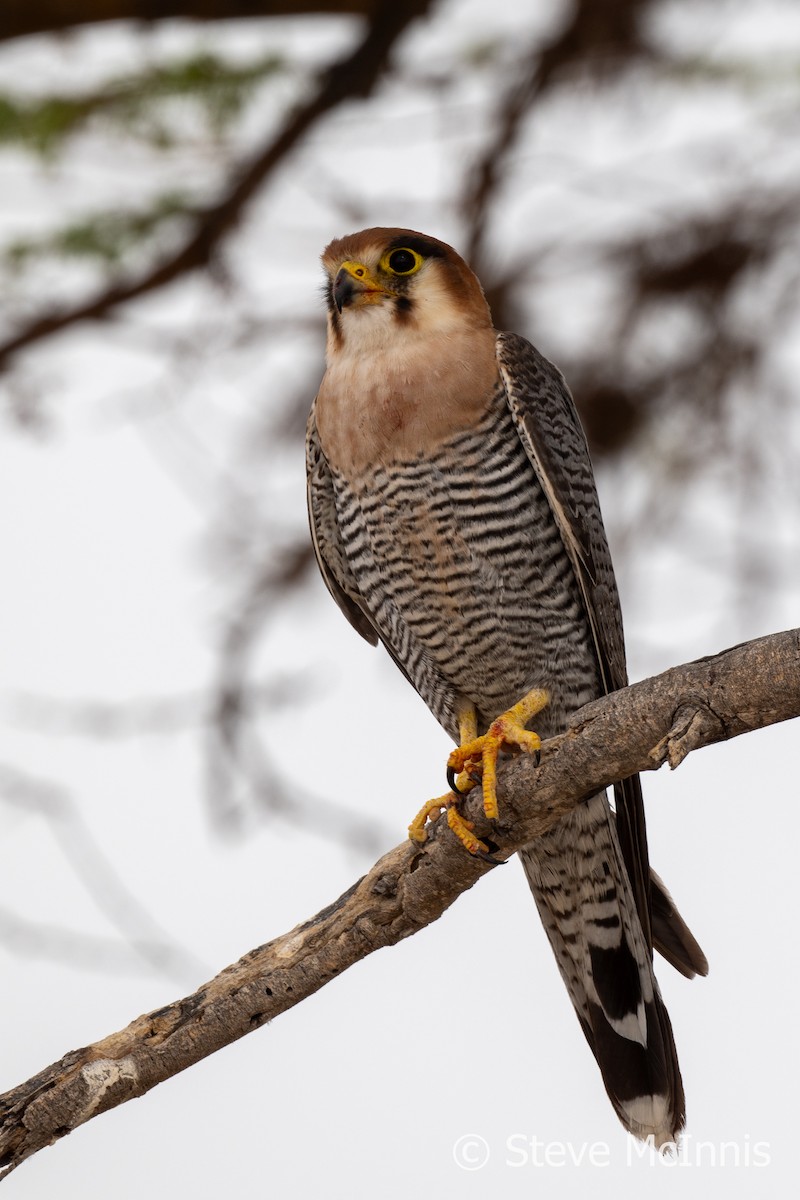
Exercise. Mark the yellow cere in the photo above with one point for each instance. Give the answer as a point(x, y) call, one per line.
point(356, 269)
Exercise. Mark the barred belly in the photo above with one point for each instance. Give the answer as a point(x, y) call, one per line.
point(462, 565)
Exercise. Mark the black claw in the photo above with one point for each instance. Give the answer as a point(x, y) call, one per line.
point(452, 783)
point(537, 758)
point(489, 858)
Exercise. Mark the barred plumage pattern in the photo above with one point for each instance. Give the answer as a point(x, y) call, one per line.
point(470, 589)
point(430, 541)
point(481, 563)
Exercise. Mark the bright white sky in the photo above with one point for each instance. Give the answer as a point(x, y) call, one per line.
point(464, 1029)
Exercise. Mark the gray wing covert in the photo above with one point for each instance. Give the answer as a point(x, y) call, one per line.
point(550, 429)
point(339, 578)
point(548, 424)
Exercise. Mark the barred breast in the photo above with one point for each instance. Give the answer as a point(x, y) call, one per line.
point(465, 575)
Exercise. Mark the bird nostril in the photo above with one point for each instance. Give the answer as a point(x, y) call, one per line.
point(360, 272)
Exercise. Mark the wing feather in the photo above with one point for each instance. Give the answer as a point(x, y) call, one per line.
point(550, 429)
point(339, 578)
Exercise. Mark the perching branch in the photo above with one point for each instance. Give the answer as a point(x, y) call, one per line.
point(638, 729)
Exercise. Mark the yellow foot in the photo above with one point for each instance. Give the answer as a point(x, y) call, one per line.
point(460, 826)
point(481, 753)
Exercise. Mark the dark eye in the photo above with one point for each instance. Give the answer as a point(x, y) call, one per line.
point(402, 261)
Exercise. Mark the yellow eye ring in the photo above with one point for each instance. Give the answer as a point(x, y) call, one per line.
point(401, 261)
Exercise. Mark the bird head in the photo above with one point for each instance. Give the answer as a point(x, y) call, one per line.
point(381, 282)
point(411, 353)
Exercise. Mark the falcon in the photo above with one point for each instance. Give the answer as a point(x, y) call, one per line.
point(455, 519)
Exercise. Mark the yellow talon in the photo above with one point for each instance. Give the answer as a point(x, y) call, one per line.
point(507, 730)
point(476, 753)
point(460, 826)
point(463, 828)
point(416, 830)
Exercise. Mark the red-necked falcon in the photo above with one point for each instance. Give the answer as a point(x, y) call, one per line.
point(455, 519)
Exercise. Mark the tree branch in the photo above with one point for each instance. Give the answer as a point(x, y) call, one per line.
point(659, 720)
point(597, 35)
point(21, 18)
point(355, 75)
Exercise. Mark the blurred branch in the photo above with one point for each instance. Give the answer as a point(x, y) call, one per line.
point(598, 35)
point(638, 729)
point(157, 715)
point(355, 75)
point(20, 18)
point(26, 938)
point(702, 263)
point(141, 931)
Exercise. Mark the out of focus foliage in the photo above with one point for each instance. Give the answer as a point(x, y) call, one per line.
point(624, 176)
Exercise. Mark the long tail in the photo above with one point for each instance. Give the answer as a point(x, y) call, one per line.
point(578, 880)
point(673, 940)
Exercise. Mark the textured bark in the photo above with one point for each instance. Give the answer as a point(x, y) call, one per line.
point(638, 729)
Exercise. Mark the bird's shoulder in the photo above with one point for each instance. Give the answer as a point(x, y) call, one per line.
point(326, 536)
point(549, 426)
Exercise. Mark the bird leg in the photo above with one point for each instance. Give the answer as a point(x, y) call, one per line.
point(479, 754)
point(482, 752)
point(461, 827)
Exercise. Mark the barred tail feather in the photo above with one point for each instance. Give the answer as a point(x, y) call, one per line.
point(584, 898)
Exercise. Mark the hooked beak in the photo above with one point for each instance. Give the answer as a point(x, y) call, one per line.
point(354, 285)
